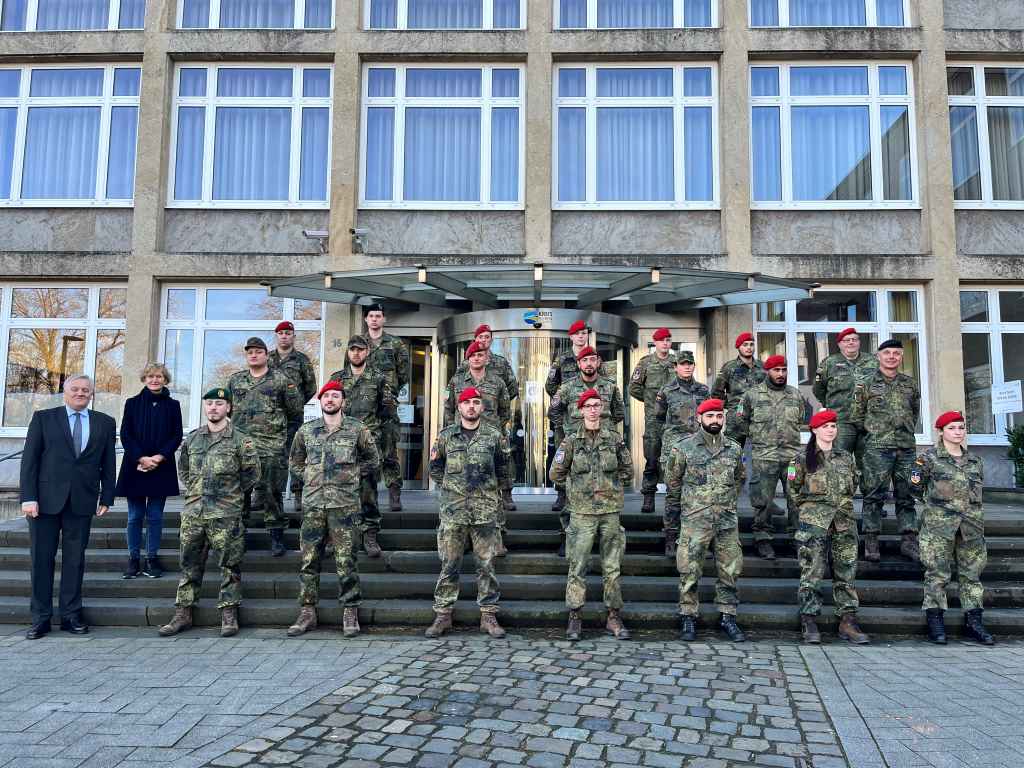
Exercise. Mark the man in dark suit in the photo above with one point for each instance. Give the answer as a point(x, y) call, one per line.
point(66, 468)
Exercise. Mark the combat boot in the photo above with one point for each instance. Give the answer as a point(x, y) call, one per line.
point(182, 620)
point(559, 504)
point(615, 626)
point(731, 628)
point(850, 632)
point(909, 547)
point(257, 502)
point(688, 628)
point(305, 622)
point(350, 622)
point(395, 497)
point(561, 546)
point(575, 626)
point(277, 547)
point(229, 621)
point(936, 625)
point(974, 629)
point(442, 623)
point(501, 550)
point(809, 628)
point(765, 550)
point(506, 500)
point(371, 545)
point(671, 538)
point(648, 505)
point(871, 553)
point(489, 625)
point(297, 502)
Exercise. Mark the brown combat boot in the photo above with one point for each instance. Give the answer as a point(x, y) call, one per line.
point(489, 624)
point(615, 626)
point(501, 550)
point(849, 631)
point(671, 539)
point(229, 621)
point(370, 544)
point(305, 622)
point(871, 553)
point(575, 627)
point(506, 499)
point(909, 547)
point(765, 550)
point(648, 506)
point(350, 622)
point(442, 623)
point(395, 497)
point(182, 620)
point(809, 628)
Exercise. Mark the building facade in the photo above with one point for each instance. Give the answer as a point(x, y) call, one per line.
point(159, 159)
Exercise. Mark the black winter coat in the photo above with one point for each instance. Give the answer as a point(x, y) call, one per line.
point(151, 425)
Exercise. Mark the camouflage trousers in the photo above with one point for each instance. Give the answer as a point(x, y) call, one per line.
point(939, 553)
point(700, 532)
point(583, 529)
point(812, 554)
point(319, 526)
point(198, 537)
point(295, 480)
point(883, 467)
point(369, 513)
point(652, 456)
point(563, 516)
point(273, 477)
point(764, 477)
point(451, 545)
point(670, 438)
point(392, 470)
point(851, 441)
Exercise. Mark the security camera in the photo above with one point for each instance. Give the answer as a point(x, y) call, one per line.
point(320, 235)
point(359, 231)
point(360, 239)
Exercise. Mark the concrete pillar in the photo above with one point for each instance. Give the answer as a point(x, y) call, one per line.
point(538, 131)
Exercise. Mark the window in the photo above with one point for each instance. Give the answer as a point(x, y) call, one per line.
point(55, 15)
point(67, 135)
point(255, 14)
point(203, 330)
point(828, 13)
point(635, 136)
point(992, 335)
point(986, 122)
point(444, 14)
point(442, 137)
point(251, 137)
point(635, 14)
point(52, 332)
point(805, 331)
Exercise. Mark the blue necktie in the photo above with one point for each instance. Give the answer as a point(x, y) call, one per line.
point(76, 435)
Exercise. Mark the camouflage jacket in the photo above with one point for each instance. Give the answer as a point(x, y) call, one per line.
point(951, 491)
point(469, 474)
point(299, 369)
point(390, 357)
point(564, 369)
point(497, 409)
point(503, 368)
point(735, 378)
point(676, 406)
point(263, 407)
point(595, 468)
point(773, 418)
point(368, 397)
point(217, 469)
point(825, 495)
point(331, 464)
point(706, 474)
point(886, 410)
point(649, 377)
point(564, 413)
point(836, 378)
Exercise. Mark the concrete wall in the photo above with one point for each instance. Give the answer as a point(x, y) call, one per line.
point(636, 232)
point(218, 231)
point(827, 233)
point(444, 232)
point(990, 232)
point(984, 14)
point(67, 230)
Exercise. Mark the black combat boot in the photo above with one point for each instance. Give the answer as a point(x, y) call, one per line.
point(936, 625)
point(688, 628)
point(395, 497)
point(671, 539)
point(732, 629)
point(974, 629)
point(559, 504)
point(765, 550)
point(561, 545)
point(648, 505)
point(277, 547)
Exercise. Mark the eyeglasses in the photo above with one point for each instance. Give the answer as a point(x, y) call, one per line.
point(592, 406)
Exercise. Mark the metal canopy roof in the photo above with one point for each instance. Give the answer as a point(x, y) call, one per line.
point(581, 286)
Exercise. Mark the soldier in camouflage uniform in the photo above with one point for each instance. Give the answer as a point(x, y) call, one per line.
point(822, 479)
point(704, 480)
point(948, 480)
point(771, 413)
point(675, 408)
point(594, 466)
point(652, 372)
point(563, 416)
point(218, 465)
point(369, 398)
point(389, 357)
point(264, 401)
point(297, 367)
point(332, 454)
point(469, 462)
point(735, 378)
point(886, 407)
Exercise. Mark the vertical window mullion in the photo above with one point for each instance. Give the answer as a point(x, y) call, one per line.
point(590, 128)
point(295, 149)
point(784, 14)
point(591, 14)
point(5, 332)
point(103, 150)
point(995, 345)
point(31, 16)
point(214, 21)
point(485, 133)
point(875, 136)
point(20, 135)
point(871, 13)
point(785, 134)
point(487, 15)
point(678, 20)
point(299, 16)
point(402, 17)
point(678, 133)
point(209, 131)
point(984, 149)
point(398, 153)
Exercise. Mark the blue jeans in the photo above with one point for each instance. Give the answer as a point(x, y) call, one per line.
point(152, 510)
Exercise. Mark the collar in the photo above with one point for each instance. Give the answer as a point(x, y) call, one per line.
point(71, 411)
point(712, 441)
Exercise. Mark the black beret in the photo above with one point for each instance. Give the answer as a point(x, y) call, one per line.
point(890, 344)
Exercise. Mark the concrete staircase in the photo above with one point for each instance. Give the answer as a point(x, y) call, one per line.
point(398, 587)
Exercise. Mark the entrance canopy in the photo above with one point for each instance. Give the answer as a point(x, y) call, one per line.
point(579, 286)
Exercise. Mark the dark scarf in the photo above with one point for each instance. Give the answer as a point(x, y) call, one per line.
point(152, 419)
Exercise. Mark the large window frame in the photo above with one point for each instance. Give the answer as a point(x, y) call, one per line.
point(113, 19)
point(211, 102)
point(402, 19)
point(299, 18)
point(106, 103)
point(678, 18)
point(678, 102)
point(870, 16)
point(486, 103)
point(874, 102)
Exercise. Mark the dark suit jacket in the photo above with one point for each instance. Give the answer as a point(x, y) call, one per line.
point(50, 473)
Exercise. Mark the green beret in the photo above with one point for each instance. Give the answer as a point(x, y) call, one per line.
point(255, 342)
point(218, 393)
point(685, 357)
point(358, 340)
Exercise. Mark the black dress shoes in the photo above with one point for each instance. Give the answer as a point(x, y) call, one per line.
point(38, 630)
point(74, 626)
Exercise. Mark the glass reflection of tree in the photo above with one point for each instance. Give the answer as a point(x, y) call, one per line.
point(49, 302)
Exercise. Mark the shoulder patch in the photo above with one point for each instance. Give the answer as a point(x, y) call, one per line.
point(916, 476)
point(433, 453)
point(559, 456)
point(791, 472)
point(637, 372)
point(556, 399)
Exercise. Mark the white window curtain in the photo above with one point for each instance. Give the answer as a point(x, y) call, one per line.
point(15, 14)
point(195, 14)
point(697, 13)
point(133, 14)
point(383, 14)
point(124, 130)
point(506, 14)
point(318, 14)
point(1006, 148)
point(442, 153)
point(699, 152)
point(61, 152)
point(627, 83)
point(572, 14)
point(764, 13)
point(8, 126)
point(827, 13)
point(505, 154)
point(890, 13)
point(257, 14)
point(963, 127)
point(445, 14)
point(316, 129)
point(896, 176)
point(72, 14)
point(766, 134)
point(634, 151)
point(380, 150)
point(572, 154)
point(188, 164)
point(644, 14)
point(834, 157)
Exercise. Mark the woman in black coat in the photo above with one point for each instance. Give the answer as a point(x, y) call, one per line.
point(150, 434)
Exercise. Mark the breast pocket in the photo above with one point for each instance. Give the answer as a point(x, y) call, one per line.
point(697, 473)
point(609, 461)
point(816, 484)
point(455, 462)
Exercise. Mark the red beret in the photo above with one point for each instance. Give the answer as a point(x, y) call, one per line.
point(713, 404)
point(473, 348)
point(576, 327)
point(331, 386)
point(745, 336)
point(585, 352)
point(467, 393)
point(284, 325)
point(823, 417)
point(846, 332)
point(485, 328)
point(948, 418)
point(590, 394)
point(774, 361)
point(662, 333)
